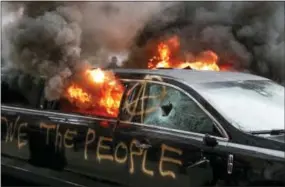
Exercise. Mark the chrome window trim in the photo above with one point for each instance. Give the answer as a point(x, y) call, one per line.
point(216, 123)
point(64, 115)
point(253, 150)
point(166, 130)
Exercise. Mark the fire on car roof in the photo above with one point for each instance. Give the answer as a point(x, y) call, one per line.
point(206, 60)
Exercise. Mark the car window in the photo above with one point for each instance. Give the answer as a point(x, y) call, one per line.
point(132, 103)
point(258, 104)
point(168, 107)
point(66, 106)
point(21, 90)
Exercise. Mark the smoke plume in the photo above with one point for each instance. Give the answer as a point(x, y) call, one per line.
point(56, 39)
point(247, 35)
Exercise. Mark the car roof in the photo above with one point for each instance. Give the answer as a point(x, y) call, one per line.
point(193, 76)
point(189, 76)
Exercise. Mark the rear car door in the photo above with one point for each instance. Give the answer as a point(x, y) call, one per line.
point(39, 132)
point(165, 129)
point(86, 142)
point(17, 96)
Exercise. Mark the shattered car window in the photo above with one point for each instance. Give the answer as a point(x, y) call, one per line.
point(173, 109)
point(131, 106)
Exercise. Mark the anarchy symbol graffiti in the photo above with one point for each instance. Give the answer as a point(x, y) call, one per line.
point(136, 106)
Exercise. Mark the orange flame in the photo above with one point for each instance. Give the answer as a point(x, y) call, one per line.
point(206, 60)
point(76, 93)
point(96, 75)
point(101, 98)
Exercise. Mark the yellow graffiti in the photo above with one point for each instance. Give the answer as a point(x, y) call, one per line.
point(144, 169)
point(48, 128)
point(7, 125)
point(24, 142)
point(120, 154)
point(88, 141)
point(69, 135)
point(11, 128)
point(131, 106)
point(100, 145)
point(163, 158)
point(132, 153)
point(123, 159)
point(58, 138)
point(153, 77)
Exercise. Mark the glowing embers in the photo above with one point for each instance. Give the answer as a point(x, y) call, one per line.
point(206, 60)
point(99, 93)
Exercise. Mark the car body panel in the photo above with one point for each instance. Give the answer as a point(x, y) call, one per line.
point(59, 141)
point(130, 153)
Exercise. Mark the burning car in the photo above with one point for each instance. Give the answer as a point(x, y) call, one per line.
point(159, 127)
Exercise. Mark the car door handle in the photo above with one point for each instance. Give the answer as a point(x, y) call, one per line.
point(142, 145)
point(230, 164)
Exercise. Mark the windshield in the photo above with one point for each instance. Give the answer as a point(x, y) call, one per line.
point(249, 105)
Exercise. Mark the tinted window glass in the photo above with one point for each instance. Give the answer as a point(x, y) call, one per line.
point(21, 90)
point(171, 108)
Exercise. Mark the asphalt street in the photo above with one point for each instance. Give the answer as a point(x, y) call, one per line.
point(8, 180)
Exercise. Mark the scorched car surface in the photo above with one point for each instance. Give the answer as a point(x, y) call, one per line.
point(168, 133)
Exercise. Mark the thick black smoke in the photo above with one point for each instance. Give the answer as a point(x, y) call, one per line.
point(55, 39)
point(47, 44)
point(248, 35)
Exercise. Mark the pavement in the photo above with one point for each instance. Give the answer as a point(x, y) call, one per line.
point(9, 180)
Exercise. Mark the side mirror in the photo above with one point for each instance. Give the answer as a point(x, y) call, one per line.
point(210, 141)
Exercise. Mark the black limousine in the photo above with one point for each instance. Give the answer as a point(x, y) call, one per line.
point(174, 128)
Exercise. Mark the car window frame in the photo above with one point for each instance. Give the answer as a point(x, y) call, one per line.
point(44, 103)
point(224, 135)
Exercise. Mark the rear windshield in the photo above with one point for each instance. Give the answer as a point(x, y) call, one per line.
point(250, 105)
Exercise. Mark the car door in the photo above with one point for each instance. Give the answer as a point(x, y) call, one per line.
point(18, 96)
point(48, 137)
point(165, 129)
point(91, 153)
